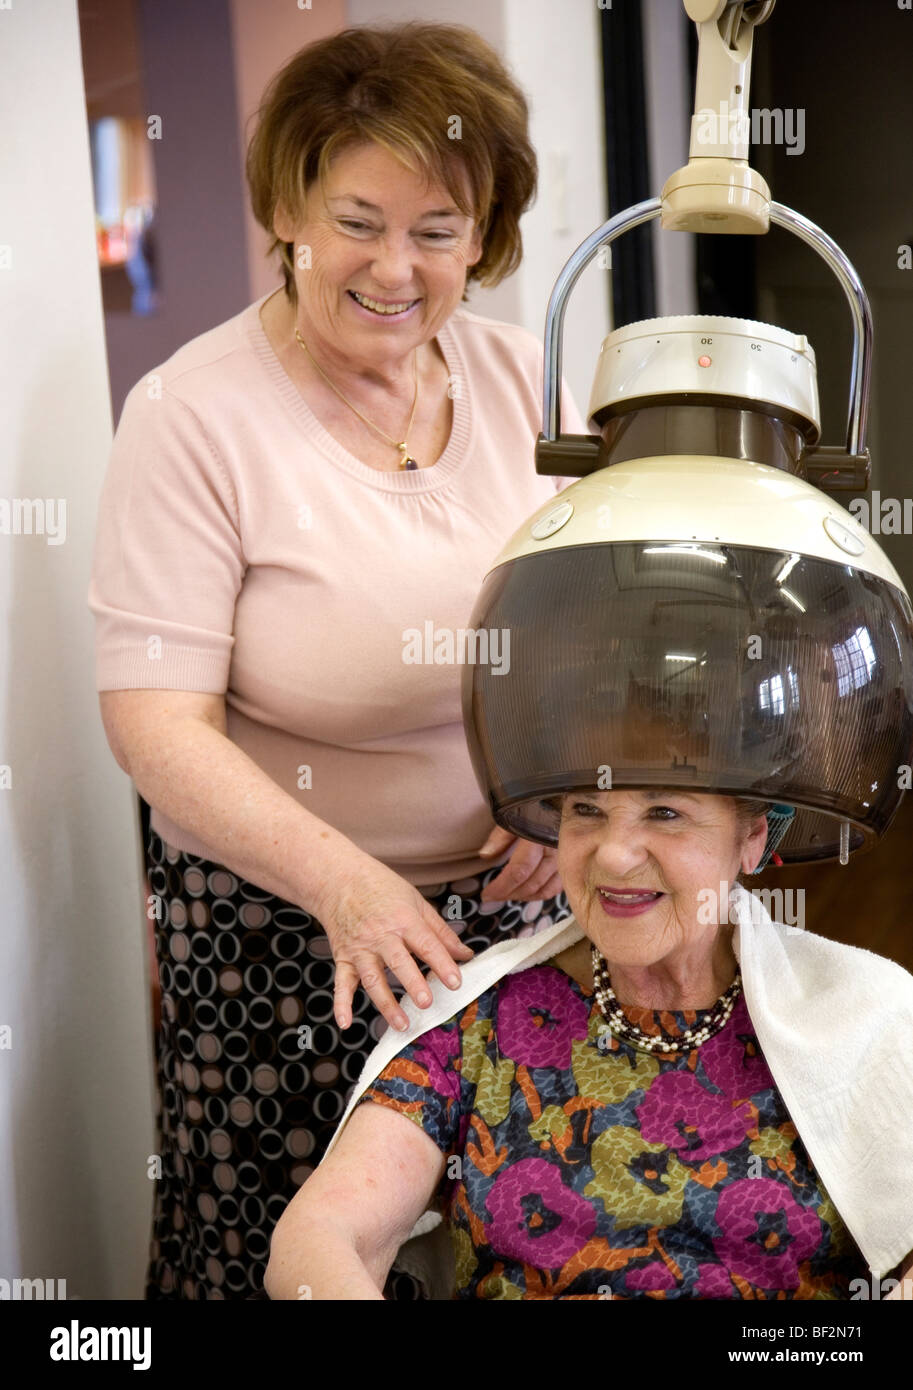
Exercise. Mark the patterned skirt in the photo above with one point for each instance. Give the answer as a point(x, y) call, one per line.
point(245, 1111)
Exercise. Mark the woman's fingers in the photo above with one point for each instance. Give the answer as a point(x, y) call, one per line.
point(432, 941)
point(526, 875)
point(400, 962)
point(372, 973)
point(431, 946)
point(447, 936)
point(344, 992)
point(384, 925)
point(505, 887)
point(428, 941)
point(553, 887)
point(497, 842)
point(395, 956)
point(537, 885)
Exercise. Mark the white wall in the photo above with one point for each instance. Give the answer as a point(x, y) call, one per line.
point(670, 101)
point(265, 35)
point(76, 1100)
point(553, 51)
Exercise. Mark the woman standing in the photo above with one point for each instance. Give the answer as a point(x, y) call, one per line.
point(300, 506)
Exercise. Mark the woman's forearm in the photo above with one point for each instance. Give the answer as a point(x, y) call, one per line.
point(203, 782)
point(320, 1263)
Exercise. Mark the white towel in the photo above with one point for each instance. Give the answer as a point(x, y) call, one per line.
point(835, 1025)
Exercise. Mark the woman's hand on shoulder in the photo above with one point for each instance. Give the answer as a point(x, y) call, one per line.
point(530, 874)
point(376, 921)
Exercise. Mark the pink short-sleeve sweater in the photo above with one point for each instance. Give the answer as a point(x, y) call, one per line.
point(242, 550)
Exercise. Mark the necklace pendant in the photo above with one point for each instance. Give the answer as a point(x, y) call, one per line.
point(406, 461)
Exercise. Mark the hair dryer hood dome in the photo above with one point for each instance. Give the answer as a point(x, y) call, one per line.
point(704, 622)
point(696, 614)
point(766, 652)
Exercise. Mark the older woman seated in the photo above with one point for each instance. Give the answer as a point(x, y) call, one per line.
point(605, 1123)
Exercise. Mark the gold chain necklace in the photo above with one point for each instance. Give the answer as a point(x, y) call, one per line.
point(406, 461)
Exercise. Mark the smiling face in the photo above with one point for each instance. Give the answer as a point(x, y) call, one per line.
point(379, 231)
point(633, 864)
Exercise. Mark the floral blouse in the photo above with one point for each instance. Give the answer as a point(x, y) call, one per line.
point(579, 1166)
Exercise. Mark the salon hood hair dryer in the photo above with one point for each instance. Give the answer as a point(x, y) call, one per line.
point(697, 611)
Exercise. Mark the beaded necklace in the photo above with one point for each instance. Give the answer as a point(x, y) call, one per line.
point(708, 1023)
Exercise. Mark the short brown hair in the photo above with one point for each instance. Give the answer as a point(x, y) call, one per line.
point(400, 86)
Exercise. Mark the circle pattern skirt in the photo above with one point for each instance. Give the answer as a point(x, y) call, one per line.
point(252, 1072)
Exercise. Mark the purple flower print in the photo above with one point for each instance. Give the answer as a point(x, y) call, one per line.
point(652, 1276)
point(766, 1233)
point(733, 1060)
point(536, 1219)
point(678, 1111)
point(714, 1281)
point(539, 1016)
point(434, 1051)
